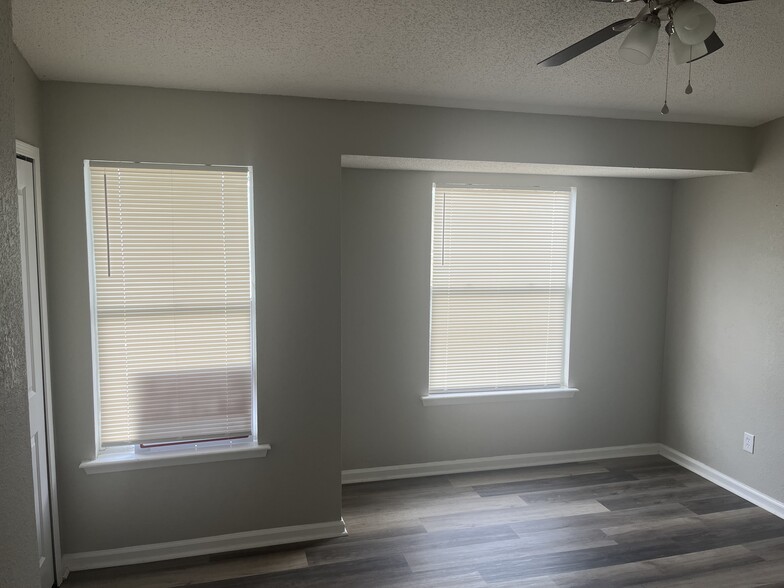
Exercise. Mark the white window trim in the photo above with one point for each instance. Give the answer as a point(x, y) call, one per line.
point(117, 459)
point(445, 398)
point(128, 457)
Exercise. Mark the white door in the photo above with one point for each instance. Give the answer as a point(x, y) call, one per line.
point(35, 372)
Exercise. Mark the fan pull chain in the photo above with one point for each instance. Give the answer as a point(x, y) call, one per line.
point(689, 89)
point(666, 109)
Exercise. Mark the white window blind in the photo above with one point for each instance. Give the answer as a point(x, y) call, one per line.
point(500, 289)
point(173, 297)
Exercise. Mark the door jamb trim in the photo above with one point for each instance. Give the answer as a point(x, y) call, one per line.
point(32, 152)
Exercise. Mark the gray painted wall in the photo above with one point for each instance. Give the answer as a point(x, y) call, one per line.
point(620, 285)
point(295, 147)
point(18, 549)
point(725, 327)
point(296, 192)
point(27, 101)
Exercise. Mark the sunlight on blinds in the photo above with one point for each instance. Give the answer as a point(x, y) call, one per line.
point(499, 289)
point(173, 302)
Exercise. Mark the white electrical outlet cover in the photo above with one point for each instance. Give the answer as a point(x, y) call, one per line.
point(748, 442)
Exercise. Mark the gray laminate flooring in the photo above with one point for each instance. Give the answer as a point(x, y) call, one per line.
point(640, 521)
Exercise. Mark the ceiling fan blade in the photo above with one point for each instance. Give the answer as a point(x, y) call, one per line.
point(712, 44)
point(729, 1)
point(584, 45)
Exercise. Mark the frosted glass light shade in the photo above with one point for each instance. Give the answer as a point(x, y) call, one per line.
point(693, 22)
point(683, 53)
point(640, 42)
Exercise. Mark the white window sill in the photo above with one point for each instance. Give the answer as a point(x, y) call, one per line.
point(442, 398)
point(118, 461)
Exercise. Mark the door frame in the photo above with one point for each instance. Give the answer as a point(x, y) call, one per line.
point(32, 152)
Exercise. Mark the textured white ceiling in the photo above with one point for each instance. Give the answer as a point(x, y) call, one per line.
point(503, 167)
point(468, 53)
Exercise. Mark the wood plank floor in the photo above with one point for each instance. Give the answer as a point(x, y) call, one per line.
point(627, 522)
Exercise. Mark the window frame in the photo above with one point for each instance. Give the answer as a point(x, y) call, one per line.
point(471, 396)
point(125, 457)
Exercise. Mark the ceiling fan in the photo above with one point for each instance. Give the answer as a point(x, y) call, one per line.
point(689, 27)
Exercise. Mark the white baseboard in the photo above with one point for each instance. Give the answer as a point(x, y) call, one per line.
point(754, 496)
point(123, 556)
point(435, 468)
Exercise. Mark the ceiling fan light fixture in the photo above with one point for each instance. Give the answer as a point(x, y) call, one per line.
point(683, 53)
point(640, 43)
point(693, 22)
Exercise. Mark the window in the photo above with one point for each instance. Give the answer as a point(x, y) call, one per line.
point(173, 304)
point(500, 289)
